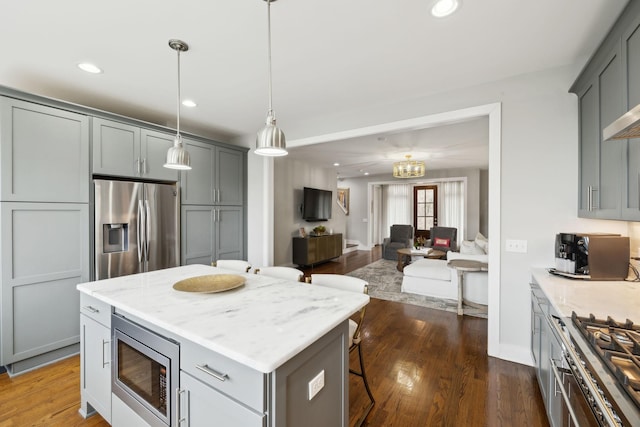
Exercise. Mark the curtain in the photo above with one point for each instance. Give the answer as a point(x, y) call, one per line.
point(397, 202)
point(452, 206)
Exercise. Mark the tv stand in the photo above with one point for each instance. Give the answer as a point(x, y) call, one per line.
point(316, 249)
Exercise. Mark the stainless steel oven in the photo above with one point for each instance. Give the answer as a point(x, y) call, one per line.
point(145, 370)
point(586, 401)
point(575, 410)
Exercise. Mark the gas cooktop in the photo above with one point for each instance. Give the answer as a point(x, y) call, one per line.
point(618, 346)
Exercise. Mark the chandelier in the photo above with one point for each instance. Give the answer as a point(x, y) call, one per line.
point(408, 168)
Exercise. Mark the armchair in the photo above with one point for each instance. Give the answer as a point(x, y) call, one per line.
point(399, 237)
point(443, 239)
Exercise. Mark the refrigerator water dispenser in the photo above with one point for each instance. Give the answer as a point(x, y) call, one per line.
point(115, 238)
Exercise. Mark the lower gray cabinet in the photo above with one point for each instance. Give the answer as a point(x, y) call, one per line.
point(546, 352)
point(95, 351)
point(202, 405)
point(210, 233)
point(45, 251)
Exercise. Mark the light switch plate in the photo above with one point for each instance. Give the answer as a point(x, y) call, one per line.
point(519, 246)
point(316, 384)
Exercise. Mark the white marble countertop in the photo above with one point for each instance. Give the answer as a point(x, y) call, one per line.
point(618, 299)
point(262, 324)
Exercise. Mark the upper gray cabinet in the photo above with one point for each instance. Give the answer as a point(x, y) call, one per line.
point(609, 86)
point(631, 76)
point(124, 150)
point(216, 177)
point(38, 143)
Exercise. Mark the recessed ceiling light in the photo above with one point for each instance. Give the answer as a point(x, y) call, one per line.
point(366, 173)
point(188, 103)
point(89, 68)
point(336, 164)
point(442, 8)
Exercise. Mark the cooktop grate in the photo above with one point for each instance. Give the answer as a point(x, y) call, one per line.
point(618, 345)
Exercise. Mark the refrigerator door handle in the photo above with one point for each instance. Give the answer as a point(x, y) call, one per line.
point(141, 230)
point(147, 234)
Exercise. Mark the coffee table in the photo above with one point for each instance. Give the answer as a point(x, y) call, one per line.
point(405, 254)
point(463, 266)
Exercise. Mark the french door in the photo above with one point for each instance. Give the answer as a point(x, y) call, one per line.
point(425, 209)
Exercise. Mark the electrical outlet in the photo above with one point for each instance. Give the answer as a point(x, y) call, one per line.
point(519, 246)
point(316, 384)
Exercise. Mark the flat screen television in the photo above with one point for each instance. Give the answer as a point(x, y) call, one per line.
point(316, 204)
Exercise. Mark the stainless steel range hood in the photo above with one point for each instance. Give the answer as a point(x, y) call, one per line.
point(627, 126)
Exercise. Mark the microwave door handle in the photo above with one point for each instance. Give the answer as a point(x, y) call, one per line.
point(141, 234)
point(147, 228)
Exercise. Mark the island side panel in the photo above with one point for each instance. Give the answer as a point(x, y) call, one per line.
point(290, 384)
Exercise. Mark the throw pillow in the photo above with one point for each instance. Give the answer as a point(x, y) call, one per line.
point(439, 241)
point(483, 242)
point(469, 247)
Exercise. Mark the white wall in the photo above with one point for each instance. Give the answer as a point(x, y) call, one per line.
point(538, 182)
point(289, 178)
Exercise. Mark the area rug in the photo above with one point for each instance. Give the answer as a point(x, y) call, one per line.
point(385, 282)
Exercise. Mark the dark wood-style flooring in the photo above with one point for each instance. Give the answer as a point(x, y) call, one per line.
point(425, 368)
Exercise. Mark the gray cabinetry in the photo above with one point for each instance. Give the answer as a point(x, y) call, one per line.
point(199, 404)
point(125, 150)
point(631, 156)
point(211, 383)
point(210, 233)
point(608, 86)
point(589, 151)
point(212, 194)
point(44, 229)
point(95, 350)
point(600, 103)
point(45, 250)
point(546, 351)
point(216, 177)
point(197, 183)
point(37, 144)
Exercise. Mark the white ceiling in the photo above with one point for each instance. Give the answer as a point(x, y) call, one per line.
point(329, 57)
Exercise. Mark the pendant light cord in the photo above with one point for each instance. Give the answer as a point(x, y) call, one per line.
point(178, 103)
point(270, 112)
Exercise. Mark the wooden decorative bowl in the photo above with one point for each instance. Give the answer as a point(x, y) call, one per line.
point(210, 283)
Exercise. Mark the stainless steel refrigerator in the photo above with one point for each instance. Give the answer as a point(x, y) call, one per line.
point(136, 227)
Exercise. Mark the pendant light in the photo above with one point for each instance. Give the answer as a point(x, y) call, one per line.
point(177, 156)
point(270, 140)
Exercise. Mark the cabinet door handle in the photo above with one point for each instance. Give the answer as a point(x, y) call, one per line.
point(108, 360)
point(137, 163)
point(179, 418)
point(143, 167)
point(91, 309)
point(215, 374)
point(590, 191)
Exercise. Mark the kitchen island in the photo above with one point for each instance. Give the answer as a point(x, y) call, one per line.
point(280, 346)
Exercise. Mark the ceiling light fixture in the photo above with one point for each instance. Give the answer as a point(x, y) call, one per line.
point(89, 68)
point(189, 103)
point(177, 156)
point(408, 168)
point(442, 8)
point(270, 140)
